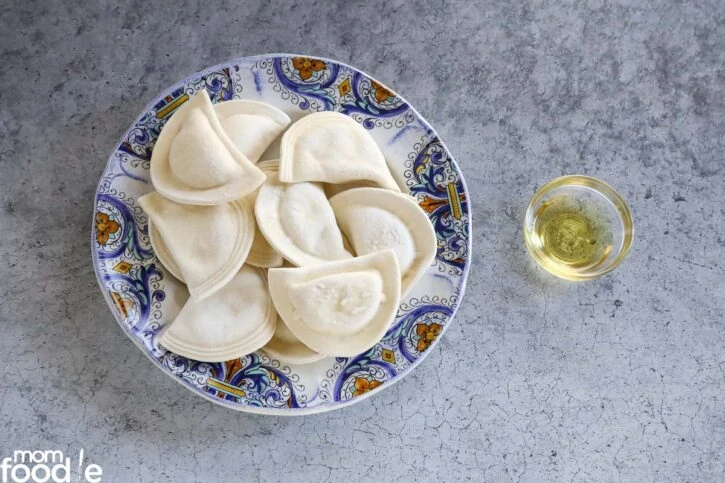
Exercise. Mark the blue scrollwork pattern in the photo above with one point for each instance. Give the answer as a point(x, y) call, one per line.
point(362, 374)
point(418, 325)
point(127, 235)
point(435, 182)
point(134, 294)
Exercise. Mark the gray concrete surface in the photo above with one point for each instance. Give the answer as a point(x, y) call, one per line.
point(621, 379)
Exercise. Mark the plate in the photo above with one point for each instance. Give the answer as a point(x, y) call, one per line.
point(144, 296)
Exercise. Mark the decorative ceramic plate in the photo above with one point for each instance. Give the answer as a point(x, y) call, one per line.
point(144, 297)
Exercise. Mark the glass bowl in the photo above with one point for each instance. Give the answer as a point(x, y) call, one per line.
point(578, 228)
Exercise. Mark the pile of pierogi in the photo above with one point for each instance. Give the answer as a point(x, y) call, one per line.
point(304, 257)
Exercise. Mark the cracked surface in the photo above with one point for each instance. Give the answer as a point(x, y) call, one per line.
point(620, 379)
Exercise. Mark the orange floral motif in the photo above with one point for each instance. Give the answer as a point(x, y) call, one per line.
point(362, 386)
point(124, 305)
point(431, 204)
point(307, 66)
point(233, 366)
point(381, 93)
point(105, 227)
point(427, 334)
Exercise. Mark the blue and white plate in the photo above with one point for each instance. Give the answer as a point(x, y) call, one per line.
point(144, 297)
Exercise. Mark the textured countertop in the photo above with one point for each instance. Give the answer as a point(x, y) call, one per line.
point(536, 380)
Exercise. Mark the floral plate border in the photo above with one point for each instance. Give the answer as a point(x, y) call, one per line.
point(144, 297)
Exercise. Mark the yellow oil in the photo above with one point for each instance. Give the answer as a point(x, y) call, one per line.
point(571, 235)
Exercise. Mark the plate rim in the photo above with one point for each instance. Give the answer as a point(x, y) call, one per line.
point(287, 412)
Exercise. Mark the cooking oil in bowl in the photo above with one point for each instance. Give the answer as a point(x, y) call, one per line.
point(578, 228)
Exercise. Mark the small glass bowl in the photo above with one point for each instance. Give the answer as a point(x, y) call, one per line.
point(599, 202)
